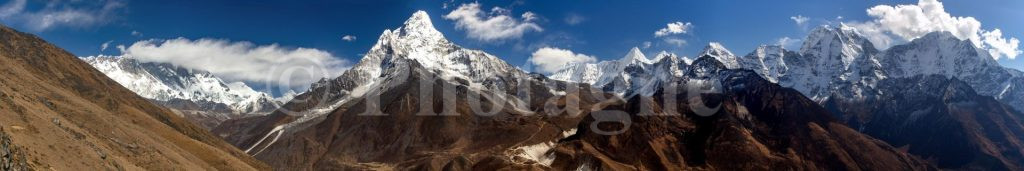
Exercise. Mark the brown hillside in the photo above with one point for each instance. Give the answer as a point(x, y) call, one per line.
point(65, 115)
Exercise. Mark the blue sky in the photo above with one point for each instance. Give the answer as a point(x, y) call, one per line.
point(605, 29)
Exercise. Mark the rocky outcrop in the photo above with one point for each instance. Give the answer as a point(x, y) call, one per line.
point(12, 157)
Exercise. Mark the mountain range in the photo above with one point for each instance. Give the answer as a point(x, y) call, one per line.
point(872, 90)
point(412, 103)
point(196, 95)
point(418, 101)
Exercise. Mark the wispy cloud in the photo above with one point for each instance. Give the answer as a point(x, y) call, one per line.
point(60, 13)
point(348, 38)
point(574, 19)
point(105, 45)
point(800, 20)
point(496, 25)
point(242, 61)
point(675, 41)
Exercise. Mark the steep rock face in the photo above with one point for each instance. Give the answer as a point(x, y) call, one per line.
point(940, 53)
point(940, 119)
point(760, 126)
point(66, 115)
point(197, 95)
point(768, 61)
point(833, 62)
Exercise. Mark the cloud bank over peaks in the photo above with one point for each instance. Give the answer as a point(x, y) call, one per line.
point(901, 23)
point(549, 59)
point(294, 68)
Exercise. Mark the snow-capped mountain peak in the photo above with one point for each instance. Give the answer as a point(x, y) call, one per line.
point(635, 56)
point(419, 26)
point(661, 55)
point(836, 45)
point(768, 61)
point(417, 41)
point(719, 52)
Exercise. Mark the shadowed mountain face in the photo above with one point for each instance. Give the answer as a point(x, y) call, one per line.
point(393, 130)
point(62, 114)
point(759, 126)
point(942, 120)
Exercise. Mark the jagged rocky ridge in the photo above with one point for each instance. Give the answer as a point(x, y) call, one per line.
point(197, 95)
point(391, 112)
point(941, 119)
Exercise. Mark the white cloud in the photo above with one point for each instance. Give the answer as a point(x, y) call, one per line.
point(348, 38)
point(242, 61)
point(58, 13)
point(550, 59)
point(11, 8)
point(675, 41)
point(136, 33)
point(902, 23)
point(498, 25)
point(105, 45)
point(998, 45)
point(646, 45)
point(574, 19)
point(674, 28)
point(788, 43)
point(529, 16)
point(800, 20)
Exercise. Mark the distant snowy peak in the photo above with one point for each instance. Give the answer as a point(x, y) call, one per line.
point(632, 74)
point(719, 52)
point(686, 60)
point(661, 55)
point(578, 72)
point(635, 56)
point(937, 53)
point(768, 61)
point(165, 82)
point(831, 46)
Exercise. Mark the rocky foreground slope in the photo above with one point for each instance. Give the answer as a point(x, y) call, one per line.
point(61, 114)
